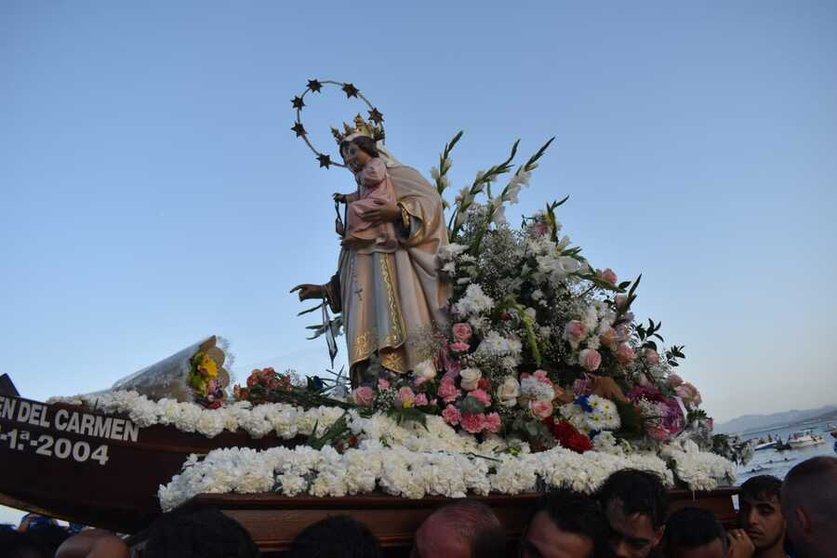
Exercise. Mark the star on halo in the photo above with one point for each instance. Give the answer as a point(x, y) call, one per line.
point(297, 103)
point(350, 90)
point(299, 129)
point(325, 160)
point(314, 85)
point(376, 116)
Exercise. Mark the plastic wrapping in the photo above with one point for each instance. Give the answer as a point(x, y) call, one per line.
point(169, 378)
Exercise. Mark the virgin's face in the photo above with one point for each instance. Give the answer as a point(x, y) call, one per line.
point(354, 157)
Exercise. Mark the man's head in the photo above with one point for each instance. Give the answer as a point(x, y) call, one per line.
point(809, 501)
point(634, 503)
point(694, 533)
point(760, 512)
point(462, 529)
point(205, 533)
point(339, 536)
point(565, 525)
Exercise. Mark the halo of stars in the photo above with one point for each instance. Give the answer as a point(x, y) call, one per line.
point(316, 86)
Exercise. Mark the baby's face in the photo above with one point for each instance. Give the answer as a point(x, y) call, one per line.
point(354, 157)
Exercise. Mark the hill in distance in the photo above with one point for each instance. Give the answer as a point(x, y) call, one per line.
point(750, 423)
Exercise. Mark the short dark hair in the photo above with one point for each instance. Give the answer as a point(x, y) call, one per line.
point(638, 492)
point(364, 143)
point(14, 544)
point(338, 536)
point(575, 513)
point(761, 487)
point(692, 528)
point(205, 533)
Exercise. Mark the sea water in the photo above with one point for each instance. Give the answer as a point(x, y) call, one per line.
point(778, 463)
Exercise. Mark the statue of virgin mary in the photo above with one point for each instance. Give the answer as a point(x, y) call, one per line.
point(392, 299)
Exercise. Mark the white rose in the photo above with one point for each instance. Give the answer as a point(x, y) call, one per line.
point(425, 369)
point(508, 392)
point(470, 378)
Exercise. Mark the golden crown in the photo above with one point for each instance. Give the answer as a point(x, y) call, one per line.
point(361, 127)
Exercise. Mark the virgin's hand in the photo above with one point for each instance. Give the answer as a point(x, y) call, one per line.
point(338, 197)
point(383, 212)
point(308, 290)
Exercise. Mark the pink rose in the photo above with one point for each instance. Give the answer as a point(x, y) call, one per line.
point(574, 332)
point(608, 276)
point(625, 354)
point(451, 415)
point(406, 397)
point(459, 347)
point(608, 338)
point(540, 408)
point(363, 396)
point(652, 357)
point(421, 400)
point(493, 423)
point(481, 396)
point(448, 391)
point(462, 332)
point(674, 380)
point(383, 384)
point(540, 229)
point(590, 359)
point(542, 377)
point(473, 423)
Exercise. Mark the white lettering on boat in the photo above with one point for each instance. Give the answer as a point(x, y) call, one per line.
point(96, 426)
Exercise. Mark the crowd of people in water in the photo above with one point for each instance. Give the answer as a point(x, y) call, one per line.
point(628, 517)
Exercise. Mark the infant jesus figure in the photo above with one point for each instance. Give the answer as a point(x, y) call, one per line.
point(374, 190)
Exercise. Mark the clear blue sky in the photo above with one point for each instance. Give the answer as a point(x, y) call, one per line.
point(153, 193)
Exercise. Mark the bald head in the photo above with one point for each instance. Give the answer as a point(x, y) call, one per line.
point(809, 501)
point(462, 529)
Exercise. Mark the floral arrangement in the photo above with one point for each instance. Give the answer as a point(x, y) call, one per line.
point(543, 377)
point(543, 347)
point(205, 381)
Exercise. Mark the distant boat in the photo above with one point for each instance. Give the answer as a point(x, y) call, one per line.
point(766, 445)
point(804, 439)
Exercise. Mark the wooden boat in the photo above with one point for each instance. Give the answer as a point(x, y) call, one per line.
point(91, 468)
point(87, 467)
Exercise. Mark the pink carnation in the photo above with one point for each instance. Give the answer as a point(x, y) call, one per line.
point(608, 276)
point(481, 396)
point(674, 380)
point(383, 384)
point(421, 400)
point(473, 423)
point(448, 390)
point(462, 332)
point(459, 347)
point(540, 408)
point(406, 397)
point(363, 396)
point(652, 357)
point(590, 359)
point(493, 423)
point(451, 415)
point(625, 354)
